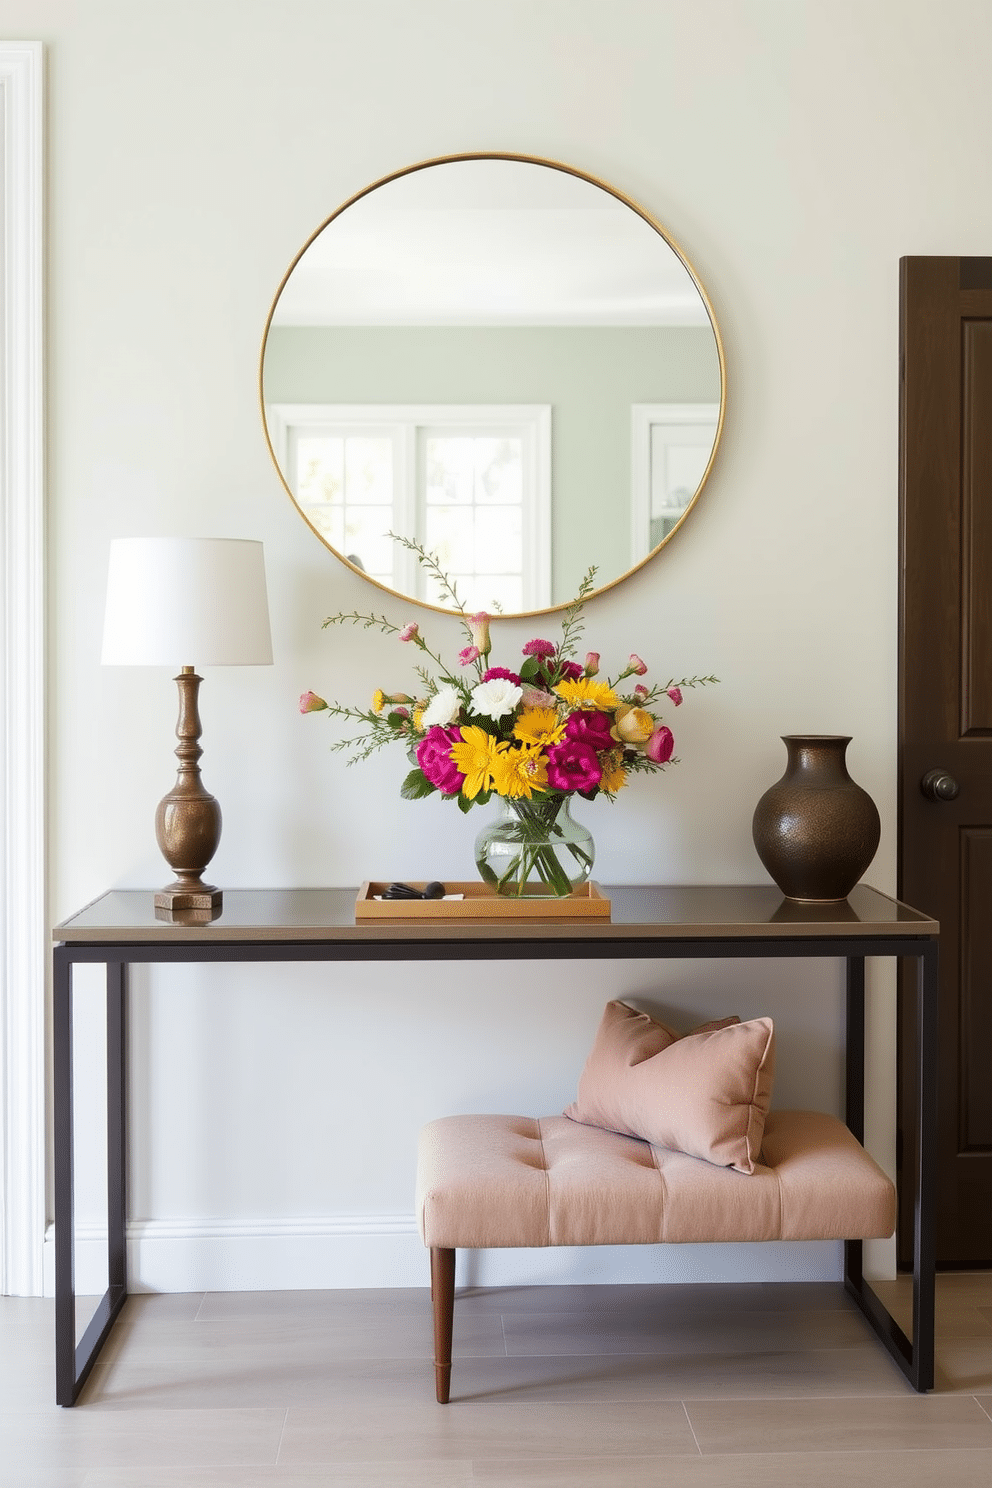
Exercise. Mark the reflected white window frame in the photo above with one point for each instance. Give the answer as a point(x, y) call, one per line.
point(403, 422)
point(402, 506)
point(670, 418)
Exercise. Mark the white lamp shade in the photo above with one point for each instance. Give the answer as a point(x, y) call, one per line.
point(174, 601)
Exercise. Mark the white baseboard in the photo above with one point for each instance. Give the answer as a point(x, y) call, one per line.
point(207, 1255)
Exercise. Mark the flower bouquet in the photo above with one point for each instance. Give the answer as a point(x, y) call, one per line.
point(534, 736)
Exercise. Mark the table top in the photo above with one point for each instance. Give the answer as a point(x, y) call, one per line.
point(705, 912)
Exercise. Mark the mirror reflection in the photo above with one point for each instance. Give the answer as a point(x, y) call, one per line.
point(503, 361)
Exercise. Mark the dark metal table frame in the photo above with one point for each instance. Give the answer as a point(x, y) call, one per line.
point(499, 941)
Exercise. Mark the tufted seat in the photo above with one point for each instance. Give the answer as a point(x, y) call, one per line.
point(508, 1181)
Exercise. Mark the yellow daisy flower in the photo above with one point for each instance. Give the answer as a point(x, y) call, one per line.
point(378, 700)
point(475, 756)
point(539, 726)
point(586, 692)
point(614, 774)
point(520, 772)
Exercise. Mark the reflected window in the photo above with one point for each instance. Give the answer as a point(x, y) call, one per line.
point(470, 483)
point(671, 448)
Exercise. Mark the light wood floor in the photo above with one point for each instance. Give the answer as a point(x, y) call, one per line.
point(781, 1386)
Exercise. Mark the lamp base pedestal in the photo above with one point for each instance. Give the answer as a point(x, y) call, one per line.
point(180, 897)
point(188, 822)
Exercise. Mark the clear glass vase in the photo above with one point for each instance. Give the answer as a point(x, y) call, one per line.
point(535, 849)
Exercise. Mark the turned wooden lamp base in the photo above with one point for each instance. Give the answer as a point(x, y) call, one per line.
point(188, 819)
point(181, 897)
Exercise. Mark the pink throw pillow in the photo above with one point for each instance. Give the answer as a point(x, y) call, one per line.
point(706, 1094)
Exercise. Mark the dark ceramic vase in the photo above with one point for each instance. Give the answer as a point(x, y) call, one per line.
point(816, 830)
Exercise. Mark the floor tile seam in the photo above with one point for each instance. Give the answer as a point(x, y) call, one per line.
point(691, 1428)
point(713, 1454)
point(981, 1407)
point(282, 1436)
point(548, 1460)
point(711, 1313)
point(736, 1456)
point(90, 1410)
point(857, 1347)
point(427, 1405)
point(908, 1394)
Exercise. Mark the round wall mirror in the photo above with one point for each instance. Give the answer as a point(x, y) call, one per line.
point(503, 362)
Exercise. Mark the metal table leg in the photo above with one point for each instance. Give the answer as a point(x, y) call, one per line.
point(73, 1361)
point(915, 1357)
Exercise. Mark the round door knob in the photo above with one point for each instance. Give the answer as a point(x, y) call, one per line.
point(938, 785)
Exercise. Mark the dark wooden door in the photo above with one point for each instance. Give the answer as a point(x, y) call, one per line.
point(945, 711)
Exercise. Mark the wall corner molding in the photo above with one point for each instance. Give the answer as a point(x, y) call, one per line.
point(22, 671)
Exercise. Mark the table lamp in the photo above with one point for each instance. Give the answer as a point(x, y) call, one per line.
point(170, 602)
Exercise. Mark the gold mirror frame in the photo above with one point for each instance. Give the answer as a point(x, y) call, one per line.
point(581, 175)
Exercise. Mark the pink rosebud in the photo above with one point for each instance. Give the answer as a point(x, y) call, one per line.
point(311, 703)
point(409, 631)
point(592, 663)
point(401, 712)
point(636, 665)
point(640, 690)
point(468, 655)
point(479, 628)
point(660, 745)
point(540, 648)
point(675, 693)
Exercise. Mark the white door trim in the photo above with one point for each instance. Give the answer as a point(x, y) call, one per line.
point(22, 673)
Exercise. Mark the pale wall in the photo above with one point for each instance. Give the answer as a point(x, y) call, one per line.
point(795, 150)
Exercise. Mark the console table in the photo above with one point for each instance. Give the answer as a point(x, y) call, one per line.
point(120, 929)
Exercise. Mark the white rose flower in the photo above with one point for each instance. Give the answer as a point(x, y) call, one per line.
point(442, 708)
point(495, 698)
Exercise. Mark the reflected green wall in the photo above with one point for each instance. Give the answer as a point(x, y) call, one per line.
point(590, 376)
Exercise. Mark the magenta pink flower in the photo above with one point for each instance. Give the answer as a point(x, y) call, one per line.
point(675, 693)
point(569, 671)
point(409, 631)
point(636, 665)
point(468, 655)
point(640, 691)
point(660, 745)
point(434, 759)
point(540, 648)
point(494, 672)
point(311, 703)
point(590, 727)
point(573, 766)
point(592, 663)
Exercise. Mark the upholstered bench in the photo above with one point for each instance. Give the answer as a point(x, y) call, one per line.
point(507, 1181)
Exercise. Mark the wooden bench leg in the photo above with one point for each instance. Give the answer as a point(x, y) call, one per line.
point(443, 1297)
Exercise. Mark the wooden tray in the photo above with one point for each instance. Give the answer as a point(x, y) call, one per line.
point(480, 903)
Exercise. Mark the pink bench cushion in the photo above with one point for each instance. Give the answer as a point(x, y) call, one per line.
point(526, 1181)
